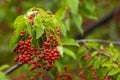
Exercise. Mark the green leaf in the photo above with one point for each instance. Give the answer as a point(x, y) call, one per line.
point(90, 5)
point(61, 13)
point(73, 4)
point(20, 21)
point(113, 71)
point(94, 53)
point(97, 63)
point(39, 32)
point(118, 77)
point(2, 76)
point(14, 40)
point(30, 29)
point(19, 29)
point(107, 64)
point(3, 67)
point(60, 24)
point(60, 49)
point(71, 42)
point(19, 24)
point(37, 20)
point(34, 41)
point(12, 44)
point(78, 21)
point(40, 27)
point(59, 66)
point(67, 24)
point(87, 14)
point(69, 52)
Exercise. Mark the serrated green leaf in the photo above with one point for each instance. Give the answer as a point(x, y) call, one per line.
point(39, 28)
point(69, 52)
point(90, 5)
point(12, 44)
point(78, 22)
point(60, 49)
point(3, 67)
point(37, 20)
point(19, 29)
point(39, 32)
point(113, 71)
point(14, 40)
point(19, 24)
point(71, 42)
point(19, 21)
point(73, 4)
point(2, 76)
point(30, 29)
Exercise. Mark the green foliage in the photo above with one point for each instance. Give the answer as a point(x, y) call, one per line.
point(4, 67)
point(78, 21)
point(85, 12)
point(70, 42)
point(90, 5)
point(20, 21)
point(2, 76)
point(40, 28)
point(60, 48)
point(73, 4)
point(114, 71)
point(69, 52)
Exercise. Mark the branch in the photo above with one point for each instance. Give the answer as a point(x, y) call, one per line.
point(10, 70)
point(99, 23)
point(97, 40)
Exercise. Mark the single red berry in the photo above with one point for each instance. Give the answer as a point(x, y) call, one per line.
point(29, 37)
point(21, 34)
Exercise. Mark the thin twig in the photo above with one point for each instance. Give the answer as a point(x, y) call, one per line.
point(98, 40)
point(106, 54)
point(10, 70)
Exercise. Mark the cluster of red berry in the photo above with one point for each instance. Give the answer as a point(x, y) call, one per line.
point(65, 76)
point(42, 57)
point(83, 74)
